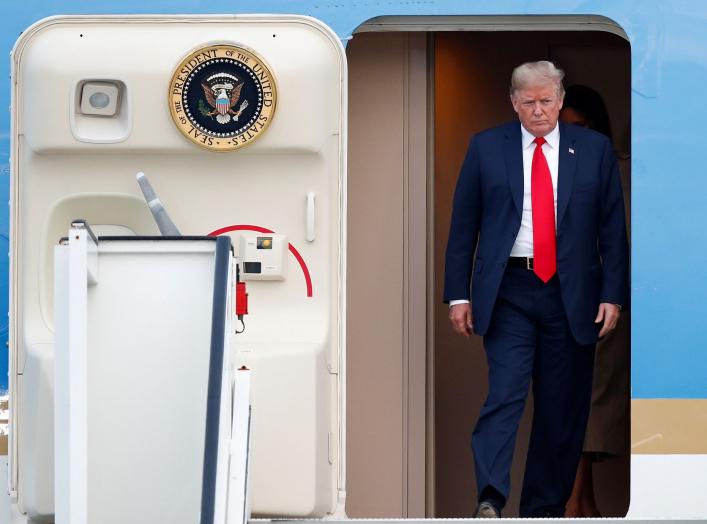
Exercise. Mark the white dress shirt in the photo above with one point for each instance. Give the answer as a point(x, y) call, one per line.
point(523, 246)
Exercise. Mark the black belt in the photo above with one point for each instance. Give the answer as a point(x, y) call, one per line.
point(524, 262)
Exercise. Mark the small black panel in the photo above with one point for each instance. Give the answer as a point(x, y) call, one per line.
point(252, 267)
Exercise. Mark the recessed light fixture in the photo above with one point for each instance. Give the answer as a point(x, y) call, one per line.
point(99, 98)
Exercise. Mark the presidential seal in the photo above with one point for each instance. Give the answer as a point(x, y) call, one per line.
point(222, 97)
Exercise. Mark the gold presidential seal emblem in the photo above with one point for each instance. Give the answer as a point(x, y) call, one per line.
point(222, 97)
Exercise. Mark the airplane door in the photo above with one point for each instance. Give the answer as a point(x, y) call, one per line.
point(240, 123)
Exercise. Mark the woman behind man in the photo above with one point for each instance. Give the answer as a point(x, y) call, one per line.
point(608, 427)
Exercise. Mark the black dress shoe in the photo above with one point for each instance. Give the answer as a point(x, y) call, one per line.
point(487, 510)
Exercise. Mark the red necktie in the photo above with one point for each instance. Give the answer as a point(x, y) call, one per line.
point(543, 199)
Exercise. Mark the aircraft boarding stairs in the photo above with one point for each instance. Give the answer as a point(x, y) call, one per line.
point(123, 306)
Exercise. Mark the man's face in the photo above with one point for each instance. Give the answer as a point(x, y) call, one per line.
point(538, 108)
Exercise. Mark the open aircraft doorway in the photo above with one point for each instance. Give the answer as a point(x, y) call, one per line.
point(417, 92)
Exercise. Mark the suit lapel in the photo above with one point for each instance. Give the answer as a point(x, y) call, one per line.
point(565, 171)
point(514, 164)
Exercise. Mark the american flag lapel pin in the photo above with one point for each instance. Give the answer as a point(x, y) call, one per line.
point(571, 151)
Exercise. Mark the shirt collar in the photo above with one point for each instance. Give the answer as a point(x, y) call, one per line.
point(552, 138)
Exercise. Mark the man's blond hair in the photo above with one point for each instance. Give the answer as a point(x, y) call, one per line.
point(537, 73)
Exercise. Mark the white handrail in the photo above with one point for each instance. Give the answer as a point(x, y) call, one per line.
point(75, 270)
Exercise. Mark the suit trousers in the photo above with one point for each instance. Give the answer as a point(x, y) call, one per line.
point(529, 338)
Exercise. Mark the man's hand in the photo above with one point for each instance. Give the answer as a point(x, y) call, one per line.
point(609, 314)
point(462, 319)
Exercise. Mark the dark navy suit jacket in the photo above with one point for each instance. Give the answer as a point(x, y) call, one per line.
point(592, 248)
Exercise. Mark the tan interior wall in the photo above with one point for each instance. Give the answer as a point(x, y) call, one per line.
point(472, 75)
point(386, 304)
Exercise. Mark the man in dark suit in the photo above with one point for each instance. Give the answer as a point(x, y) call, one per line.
point(538, 214)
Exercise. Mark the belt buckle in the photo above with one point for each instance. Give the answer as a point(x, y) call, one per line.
point(529, 263)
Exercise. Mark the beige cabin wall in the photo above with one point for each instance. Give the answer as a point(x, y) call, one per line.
point(386, 303)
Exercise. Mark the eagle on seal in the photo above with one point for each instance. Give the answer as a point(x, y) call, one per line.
point(222, 92)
